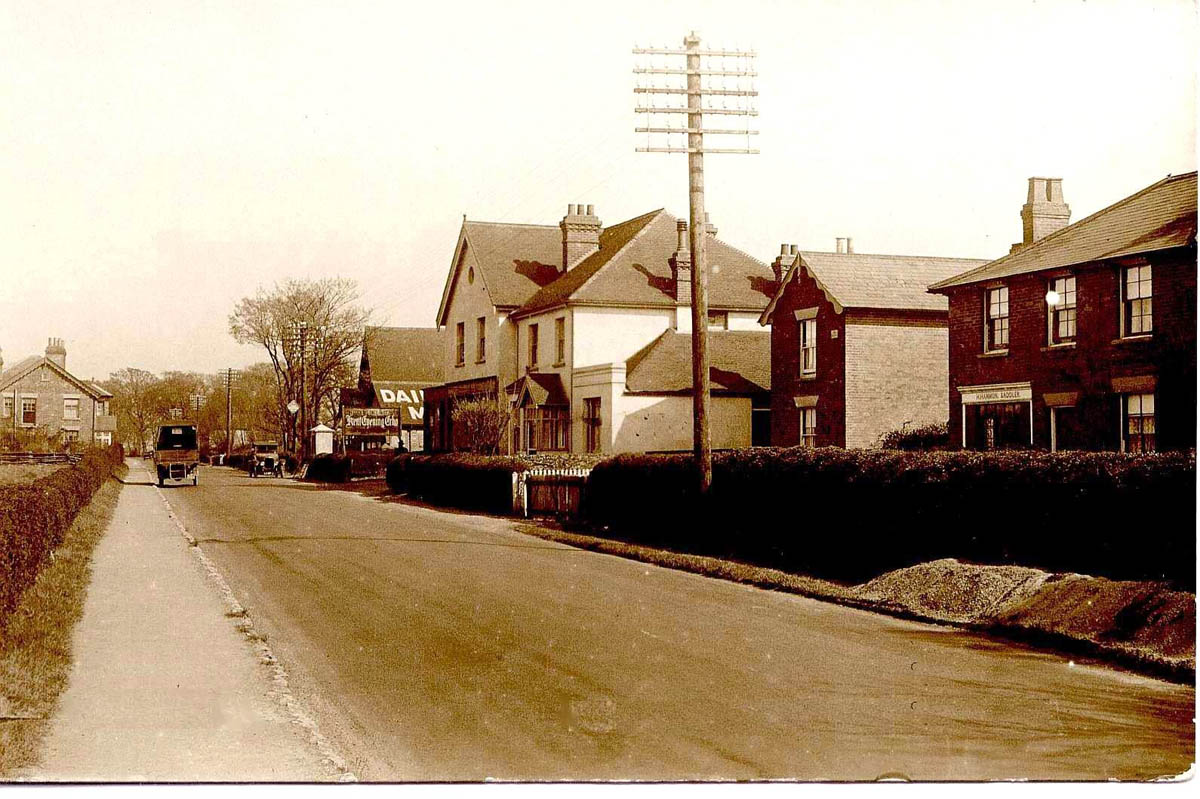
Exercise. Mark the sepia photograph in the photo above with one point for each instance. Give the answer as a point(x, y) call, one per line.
point(694, 393)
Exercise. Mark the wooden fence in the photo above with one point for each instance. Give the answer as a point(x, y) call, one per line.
point(39, 457)
point(549, 492)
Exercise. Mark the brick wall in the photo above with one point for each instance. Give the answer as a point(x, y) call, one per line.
point(1098, 355)
point(786, 383)
point(896, 372)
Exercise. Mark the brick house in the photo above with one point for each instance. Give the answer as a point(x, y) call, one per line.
point(41, 400)
point(564, 325)
point(858, 346)
point(1084, 336)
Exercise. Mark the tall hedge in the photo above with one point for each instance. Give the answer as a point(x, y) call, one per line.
point(853, 514)
point(34, 517)
point(458, 480)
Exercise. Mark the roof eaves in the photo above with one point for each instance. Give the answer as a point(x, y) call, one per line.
point(1042, 243)
point(765, 318)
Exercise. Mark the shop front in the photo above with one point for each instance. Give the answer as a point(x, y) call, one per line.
point(998, 416)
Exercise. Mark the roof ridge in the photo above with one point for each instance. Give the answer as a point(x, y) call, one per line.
point(897, 255)
point(508, 224)
point(1053, 237)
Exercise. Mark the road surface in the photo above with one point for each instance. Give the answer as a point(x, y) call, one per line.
point(444, 646)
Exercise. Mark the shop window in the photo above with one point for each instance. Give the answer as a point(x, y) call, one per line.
point(1139, 428)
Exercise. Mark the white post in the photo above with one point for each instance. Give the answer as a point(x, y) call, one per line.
point(1054, 429)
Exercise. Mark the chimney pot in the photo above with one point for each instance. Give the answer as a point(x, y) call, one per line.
point(1044, 211)
point(591, 210)
point(791, 249)
point(783, 249)
point(841, 245)
point(580, 234)
point(849, 245)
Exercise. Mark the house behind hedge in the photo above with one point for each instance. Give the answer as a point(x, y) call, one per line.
point(41, 402)
point(580, 331)
point(858, 346)
point(1084, 336)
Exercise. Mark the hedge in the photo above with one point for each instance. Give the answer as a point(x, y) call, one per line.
point(459, 480)
point(34, 517)
point(340, 468)
point(930, 436)
point(853, 514)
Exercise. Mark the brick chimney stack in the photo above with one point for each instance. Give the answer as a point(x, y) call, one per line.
point(56, 352)
point(580, 234)
point(787, 256)
point(681, 264)
point(1044, 211)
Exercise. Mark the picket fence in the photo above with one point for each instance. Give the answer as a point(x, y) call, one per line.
point(549, 492)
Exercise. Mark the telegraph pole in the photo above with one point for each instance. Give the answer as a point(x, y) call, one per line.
point(695, 91)
point(228, 377)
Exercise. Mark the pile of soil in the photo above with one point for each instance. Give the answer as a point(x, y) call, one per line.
point(1140, 621)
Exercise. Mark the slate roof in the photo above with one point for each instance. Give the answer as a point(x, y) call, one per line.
point(888, 282)
point(632, 267)
point(408, 354)
point(26, 365)
point(1160, 216)
point(515, 260)
point(739, 363)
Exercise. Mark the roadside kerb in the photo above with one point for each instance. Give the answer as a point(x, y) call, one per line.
point(282, 692)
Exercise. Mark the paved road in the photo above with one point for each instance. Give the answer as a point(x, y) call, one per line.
point(441, 646)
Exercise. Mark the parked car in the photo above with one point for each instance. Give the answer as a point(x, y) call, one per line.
point(265, 460)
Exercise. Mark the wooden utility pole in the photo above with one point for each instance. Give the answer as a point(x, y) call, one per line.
point(695, 92)
point(228, 378)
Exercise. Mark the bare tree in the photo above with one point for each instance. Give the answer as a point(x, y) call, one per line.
point(480, 423)
point(136, 403)
point(333, 323)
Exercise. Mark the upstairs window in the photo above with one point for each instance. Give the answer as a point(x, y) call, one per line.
point(1137, 306)
point(460, 344)
point(560, 341)
point(1139, 433)
point(808, 347)
point(718, 320)
point(71, 409)
point(996, 327)
point(8, 407)
point(481, 339)
point(533, 346)
point(1062, 312)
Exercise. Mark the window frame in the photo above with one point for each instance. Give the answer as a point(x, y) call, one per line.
point(1127, 302)
point(593, 422)
point(1064, 313)
point(808, 433)
point(68, 417)
point(1142, 434)
point(560, 340)
point(460, 344)
point(34, 403)
point(481, 339)
point(718, 320)
point(989, 343)
point(807, 340)
point(8, 406)
point(533, 345)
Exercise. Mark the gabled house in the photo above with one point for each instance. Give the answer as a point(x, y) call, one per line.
point(552, 320)
point(40, 399)
point(1084, 335)
point(858, 347)
point(387, 406)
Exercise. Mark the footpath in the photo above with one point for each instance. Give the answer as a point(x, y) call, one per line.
point(168, 682)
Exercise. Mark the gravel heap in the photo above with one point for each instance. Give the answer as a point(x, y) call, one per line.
point(953, 591)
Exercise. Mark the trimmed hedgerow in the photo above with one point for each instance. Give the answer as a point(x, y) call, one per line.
point(34, 516)
point(926, 437)
point(459, 480)
point(853, 514)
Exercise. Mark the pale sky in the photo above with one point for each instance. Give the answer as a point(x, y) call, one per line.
point(160, 160)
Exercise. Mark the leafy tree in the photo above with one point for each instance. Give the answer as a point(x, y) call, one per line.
point(136, 404)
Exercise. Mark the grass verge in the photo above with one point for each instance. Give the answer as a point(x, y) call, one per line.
point(35, 647)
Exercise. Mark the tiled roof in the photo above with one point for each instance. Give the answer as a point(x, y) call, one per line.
point(410, 354)
point(516, 260)
point(1160, 216)
point(544, 388)
point(632, 267)
point(19, 368)
point(891, 282)
point(739, 363)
